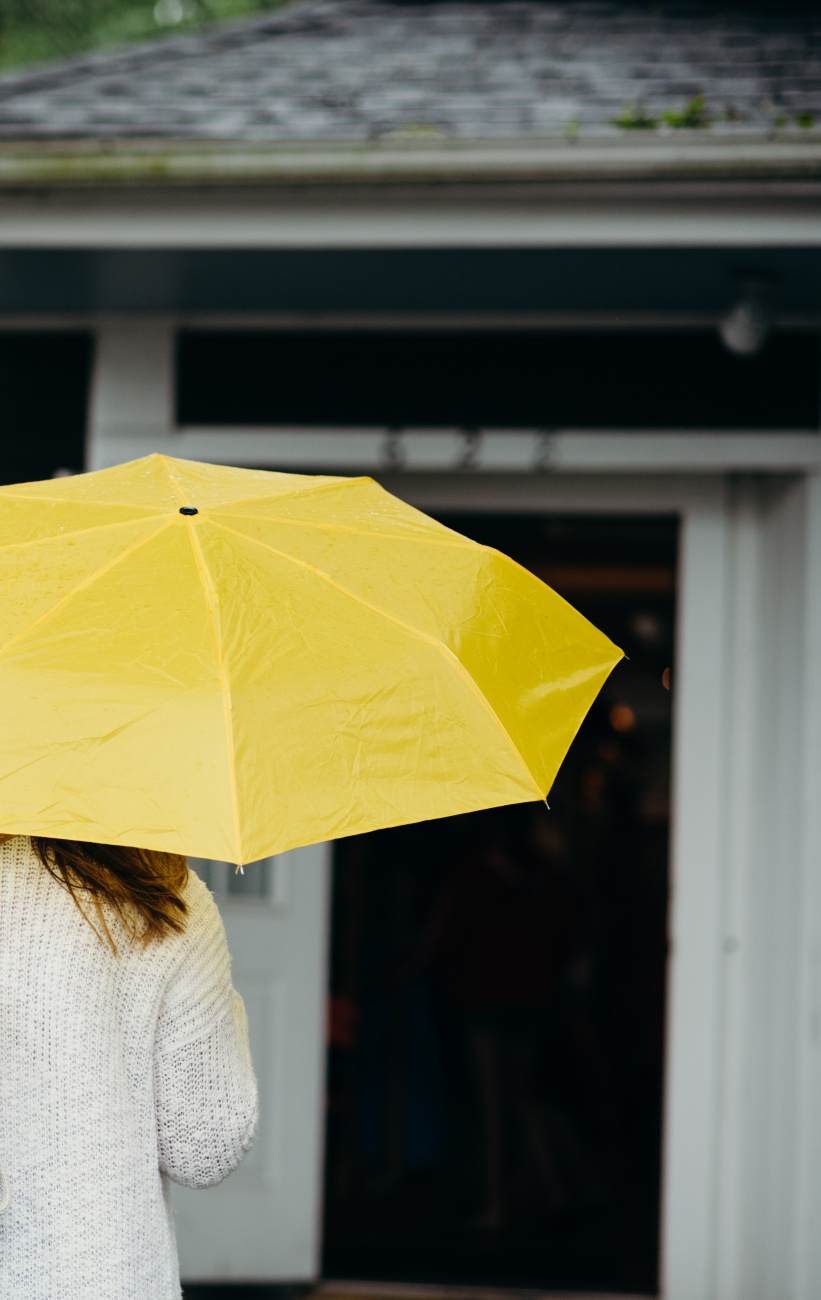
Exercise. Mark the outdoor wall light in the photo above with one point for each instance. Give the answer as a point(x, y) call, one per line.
point(747, 325)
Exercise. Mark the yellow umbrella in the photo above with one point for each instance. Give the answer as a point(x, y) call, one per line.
point(229, 663)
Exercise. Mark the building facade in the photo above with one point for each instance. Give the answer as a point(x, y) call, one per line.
point(432, 244)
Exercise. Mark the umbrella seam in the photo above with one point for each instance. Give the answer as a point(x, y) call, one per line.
point(421, 636)
point(461, 545)
point(87, 581)
point(77, 532)
point(31, 497)
point(183, 495)
point(328, 483)
point(208, 592)
point(332, 481)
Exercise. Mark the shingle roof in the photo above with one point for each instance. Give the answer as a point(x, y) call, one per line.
point(361, 70)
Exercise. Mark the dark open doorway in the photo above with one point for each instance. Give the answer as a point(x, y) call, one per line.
point(498, 983)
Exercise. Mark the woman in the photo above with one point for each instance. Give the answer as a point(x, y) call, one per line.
point(124, 1062)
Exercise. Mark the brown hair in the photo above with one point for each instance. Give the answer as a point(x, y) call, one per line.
point(141, 886)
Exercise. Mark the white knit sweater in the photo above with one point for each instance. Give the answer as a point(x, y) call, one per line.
point(116, 1073)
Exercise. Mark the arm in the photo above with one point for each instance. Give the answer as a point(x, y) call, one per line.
point(204, 1087)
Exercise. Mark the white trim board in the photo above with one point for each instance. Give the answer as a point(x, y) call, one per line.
point(481, 452)
point(544, 218)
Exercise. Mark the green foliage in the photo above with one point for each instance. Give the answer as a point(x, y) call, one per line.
point(35, 30)
point(633, 118)
point(693, 116)
point(781, 120)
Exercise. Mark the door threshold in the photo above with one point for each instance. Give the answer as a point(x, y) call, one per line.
point(353, 1290)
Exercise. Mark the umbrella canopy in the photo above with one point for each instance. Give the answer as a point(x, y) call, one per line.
point(229, 663)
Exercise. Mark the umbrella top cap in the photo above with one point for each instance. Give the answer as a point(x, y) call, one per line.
point(189, 510)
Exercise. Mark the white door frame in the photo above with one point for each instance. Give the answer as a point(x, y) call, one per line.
point(694, 986)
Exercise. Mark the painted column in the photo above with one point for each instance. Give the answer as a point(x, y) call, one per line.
point(131, 407)
point(808, 1197)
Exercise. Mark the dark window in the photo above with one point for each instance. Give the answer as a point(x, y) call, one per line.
point(44, 381)
point(631, 380)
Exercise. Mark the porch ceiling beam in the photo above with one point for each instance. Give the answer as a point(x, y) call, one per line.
point(560, 322)
point(478, 452)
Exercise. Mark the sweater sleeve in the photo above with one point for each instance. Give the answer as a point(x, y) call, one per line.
point(204, 1087)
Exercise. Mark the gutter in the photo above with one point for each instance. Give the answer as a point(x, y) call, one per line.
point(685, 156)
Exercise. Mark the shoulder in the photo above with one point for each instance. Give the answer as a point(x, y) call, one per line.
point(18, 851)
point(202, 924)
point(203, 913)
point(199, 963)
point(197, 953)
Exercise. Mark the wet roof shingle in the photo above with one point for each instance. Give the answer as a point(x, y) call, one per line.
point(358, 70)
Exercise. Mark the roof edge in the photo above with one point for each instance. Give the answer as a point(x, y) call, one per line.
point(58, 163)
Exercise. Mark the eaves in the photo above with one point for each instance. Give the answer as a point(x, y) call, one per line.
point(687, 189)
point(677, 156)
